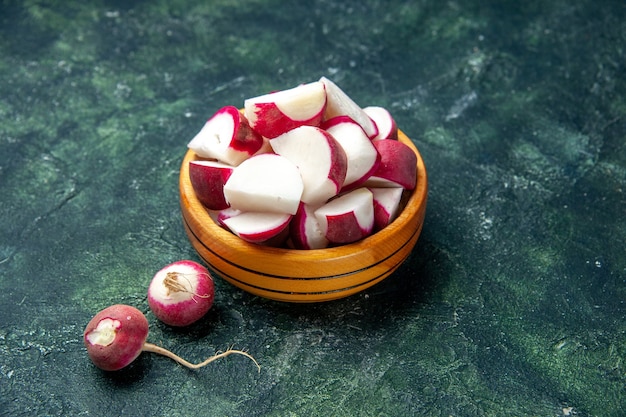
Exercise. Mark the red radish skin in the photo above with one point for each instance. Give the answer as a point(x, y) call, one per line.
point(387, 127)
point(338, 103)
point(362, 156)
point(276, 113)
point(257, 227)
point(181, 293)
point(271, 122)
point(397, 168)
point(117, 335)
point(208, 179)
point(222, 215)
point(227, 137)
point(386, 205)
point(321, 161)
point(265, 183)
point(349, 217)
point(305, 229)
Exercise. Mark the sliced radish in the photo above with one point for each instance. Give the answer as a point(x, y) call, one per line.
point(227, 137)
point(386, 205)
point(362, 156)
point(266, 148)
point(349, 217)
point(222, 215)
point(257, 227)
point(320, 159)
point(265, 183)
point(397, 168)
point(208, 179)
point(387, 127)
point(305, 229)
point(338, 103)
point(275, 113)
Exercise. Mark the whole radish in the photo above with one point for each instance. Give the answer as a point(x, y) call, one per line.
point(181, 293)
point(117, 335)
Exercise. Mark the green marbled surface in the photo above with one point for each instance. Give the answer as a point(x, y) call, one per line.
point(512, 302)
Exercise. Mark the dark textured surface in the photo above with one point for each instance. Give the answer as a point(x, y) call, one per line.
point(512, 302)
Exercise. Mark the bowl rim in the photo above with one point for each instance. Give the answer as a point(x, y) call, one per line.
point(196, 215)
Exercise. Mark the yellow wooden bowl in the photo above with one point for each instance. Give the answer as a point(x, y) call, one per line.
point(304, 275)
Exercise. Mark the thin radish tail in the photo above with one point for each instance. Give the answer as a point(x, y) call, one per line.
point(149, 347)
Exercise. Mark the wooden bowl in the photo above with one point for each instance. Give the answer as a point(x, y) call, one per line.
point(304, 275)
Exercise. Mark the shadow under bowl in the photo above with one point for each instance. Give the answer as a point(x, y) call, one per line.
point(305, 276)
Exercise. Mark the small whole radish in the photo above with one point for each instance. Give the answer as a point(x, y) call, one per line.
point(117, 335)
point(181, 293)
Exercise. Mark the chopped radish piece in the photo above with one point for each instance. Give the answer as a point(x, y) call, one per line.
point(276, 113)
point(340, 104)
point(227, 137)
point(363, 158)
point(221, 215)
point(349, 217)
point(320, 159)
point(208, 179)
point(265, 183)
point(397, 168)
point(387, 127)
point(386, 205)
point(257, 227)
point(306, 231)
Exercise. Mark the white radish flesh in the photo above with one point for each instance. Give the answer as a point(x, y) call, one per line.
point(321, 161)
point(349, 217)
point(275, 113)
point(227, 137)
point(306, 231)
point(338, 103)
point(363, 158)
point(265, 183)
point(387, 127)
point(386, 205)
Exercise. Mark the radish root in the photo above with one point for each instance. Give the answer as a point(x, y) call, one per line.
point(149, 347)
point(173, 284)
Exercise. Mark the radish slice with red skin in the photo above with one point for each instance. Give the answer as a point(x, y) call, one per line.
point(362, 156)
point(338, 103)
point(397, 168)
point(305, 229)
point(208, 179)
point(257, 227)
point(276, 113)
point(265, 183)
point(349, 217)
point(386, 205)
point(222, 215)
point(320, 159)
point(227, 137)
point(387, 127)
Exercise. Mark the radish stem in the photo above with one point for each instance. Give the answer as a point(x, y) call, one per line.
point(149, 347)
point(173, 284)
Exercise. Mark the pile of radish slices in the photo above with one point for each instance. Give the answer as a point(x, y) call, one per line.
point(304, 168)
